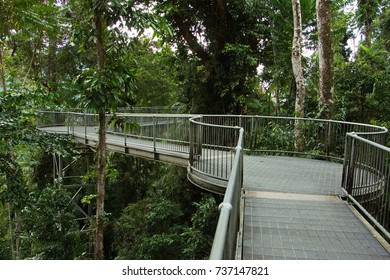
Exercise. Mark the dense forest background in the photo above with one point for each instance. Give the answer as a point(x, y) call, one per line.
point(196, 56)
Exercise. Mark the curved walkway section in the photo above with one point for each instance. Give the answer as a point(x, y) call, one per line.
point(292, 210)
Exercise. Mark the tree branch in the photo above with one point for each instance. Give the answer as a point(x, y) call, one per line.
point(190, 38)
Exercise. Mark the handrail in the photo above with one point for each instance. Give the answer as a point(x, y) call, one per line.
point(366, 180)
point(162, 130)
point(225, 237)
point(215, 145)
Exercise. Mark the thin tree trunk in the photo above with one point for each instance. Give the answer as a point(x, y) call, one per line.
point(296, 60)
point(367, 10)
point(275, 53)
point(278, 102)
point(2, 73)
point(30, 65)
point(101, 180)
point(52, 64)
point(99, 238)
point(325, 50)
point(18, 225)
point(11, 230)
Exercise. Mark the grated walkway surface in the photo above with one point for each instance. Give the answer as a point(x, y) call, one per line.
point(292, 208)
point(292, 211)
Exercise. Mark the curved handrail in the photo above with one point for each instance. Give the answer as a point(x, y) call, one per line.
point(203, 136)
point(212, 149)
point(366, 179)
point(213, 143)
point(225, 237)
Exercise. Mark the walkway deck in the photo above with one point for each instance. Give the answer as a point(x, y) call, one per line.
point(293, 211)
point(292, 208)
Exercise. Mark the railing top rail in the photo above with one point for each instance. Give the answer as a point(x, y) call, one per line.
point(120, 114)
point(169, 115)
point(377, 145)
point(380, 129)
point(213, 125)
point(228, 205)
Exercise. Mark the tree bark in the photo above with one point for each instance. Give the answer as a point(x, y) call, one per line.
point(18, 225)
point(296, 60)
point(277, 96)
point(101, 180)
point(2, 73)
point(11, 229)
point(325, 50)
point(366, 13)
point(52, 64)
point(191, 40)
point(101, 152)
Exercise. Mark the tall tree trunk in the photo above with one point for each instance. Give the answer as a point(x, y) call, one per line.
point(101, 180)
point(275, 53)
point(325, 50)
point(366, 14)
point(296, 61)
point(2, 73)
point(52, 64)
point(278, 109)
point(11, 229)
point(18, 225)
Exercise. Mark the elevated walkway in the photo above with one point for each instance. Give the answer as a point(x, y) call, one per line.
point(291, 208)
point(162, 152)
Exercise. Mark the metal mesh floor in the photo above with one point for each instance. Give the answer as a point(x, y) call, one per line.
point(292, 211)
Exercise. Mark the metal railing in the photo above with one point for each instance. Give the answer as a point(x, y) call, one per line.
point(225, 238)
point(215, 144)
point(277, 135)
point(366, 179)
point(167, 132)
point(216, 150)
point(212, 147)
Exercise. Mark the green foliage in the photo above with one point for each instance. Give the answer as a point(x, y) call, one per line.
point(21, 146)
point(5, 242)
point(384, 28)
point(32, 43)
point(115, 84)
point(363, 86)
point(152, 212)
point(155, 74)
point(166, 217)
point(18, 139)
point(219, 73)
point(5, 250)
point(157, 229)
point(49, 228)
point(148, 230)
point(87, 199)
point(121, 124)
point(107, 89)
point(276, 137)
point(200, 235)
point(277, 75)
